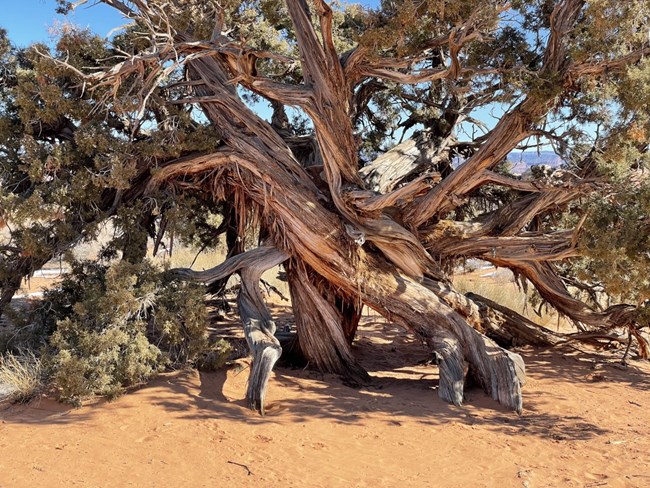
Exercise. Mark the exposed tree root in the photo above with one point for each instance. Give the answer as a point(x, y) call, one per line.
point(459, 347)
point(508, 328)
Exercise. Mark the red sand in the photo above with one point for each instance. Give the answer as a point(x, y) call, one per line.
point(585, 424)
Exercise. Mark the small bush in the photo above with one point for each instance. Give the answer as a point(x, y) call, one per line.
point(101, 362)
point(215, 356)
point(113, 327)
point(21, 377)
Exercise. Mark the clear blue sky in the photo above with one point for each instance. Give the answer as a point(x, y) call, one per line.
point(29, 21)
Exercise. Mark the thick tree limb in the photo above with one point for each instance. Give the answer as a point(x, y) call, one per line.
point(499, 372)
point(510, 219)
point(190, 165)
point(259, 327)
point(15, 270)
point(449, 240)
point(599, 68)
point(330, 114)
point(490, 177)
point(321, 335)
point(371, 202)
point(254, 257)
point(504, 326)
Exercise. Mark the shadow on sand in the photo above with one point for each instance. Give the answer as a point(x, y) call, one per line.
point(403, 390)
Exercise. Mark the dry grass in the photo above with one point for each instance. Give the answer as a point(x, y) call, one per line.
point(504, 292)
point(186, 257)
point(21, 377)
point(502, 289)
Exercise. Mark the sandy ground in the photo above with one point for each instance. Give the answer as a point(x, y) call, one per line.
point(585, 425)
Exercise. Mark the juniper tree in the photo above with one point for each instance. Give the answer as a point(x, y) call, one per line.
point(375, 168)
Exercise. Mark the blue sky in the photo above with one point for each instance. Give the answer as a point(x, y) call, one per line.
point(29, 21)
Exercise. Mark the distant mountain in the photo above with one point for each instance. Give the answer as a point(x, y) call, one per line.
point(522, 161)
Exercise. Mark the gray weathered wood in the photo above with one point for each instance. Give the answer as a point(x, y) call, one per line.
point(259, 327)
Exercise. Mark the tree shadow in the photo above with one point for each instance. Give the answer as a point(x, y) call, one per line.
point(587, 366)
point(396, 400)
point(403, 390)
point(405, 393)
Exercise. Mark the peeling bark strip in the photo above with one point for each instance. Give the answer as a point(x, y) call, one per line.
point(320, 329)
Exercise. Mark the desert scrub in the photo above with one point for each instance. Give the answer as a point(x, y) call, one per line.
point(117, 326)
point(215, 356)
point(21, 376)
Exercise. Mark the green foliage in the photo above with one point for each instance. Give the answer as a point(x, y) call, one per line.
point(616, 240)
point(117, 326)
point(391, 28)
point(100, 362)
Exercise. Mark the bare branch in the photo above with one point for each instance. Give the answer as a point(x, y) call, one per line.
point(189, 165)
point(594, 69)
point(513, 127)
point(490, 177)
point(370, 202)
point(266, 254)
point(445, 240)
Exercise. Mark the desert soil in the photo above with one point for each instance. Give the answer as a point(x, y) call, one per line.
point(585, 424)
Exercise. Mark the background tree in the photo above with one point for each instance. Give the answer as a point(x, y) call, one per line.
point(373, 174)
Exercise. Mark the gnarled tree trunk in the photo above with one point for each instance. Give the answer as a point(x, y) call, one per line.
point(379, 242)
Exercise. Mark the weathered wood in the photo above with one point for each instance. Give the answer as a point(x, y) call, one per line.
point(320, 239)
point(457, 344)
point(366, 247)
point(508, 328)
point(259, 327)
point(388, 170)
point(321, 328)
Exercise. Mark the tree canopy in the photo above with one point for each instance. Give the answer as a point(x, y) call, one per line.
point(366, 150)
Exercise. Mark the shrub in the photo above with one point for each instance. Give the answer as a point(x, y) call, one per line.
point(215, 356)
point(117, 326)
